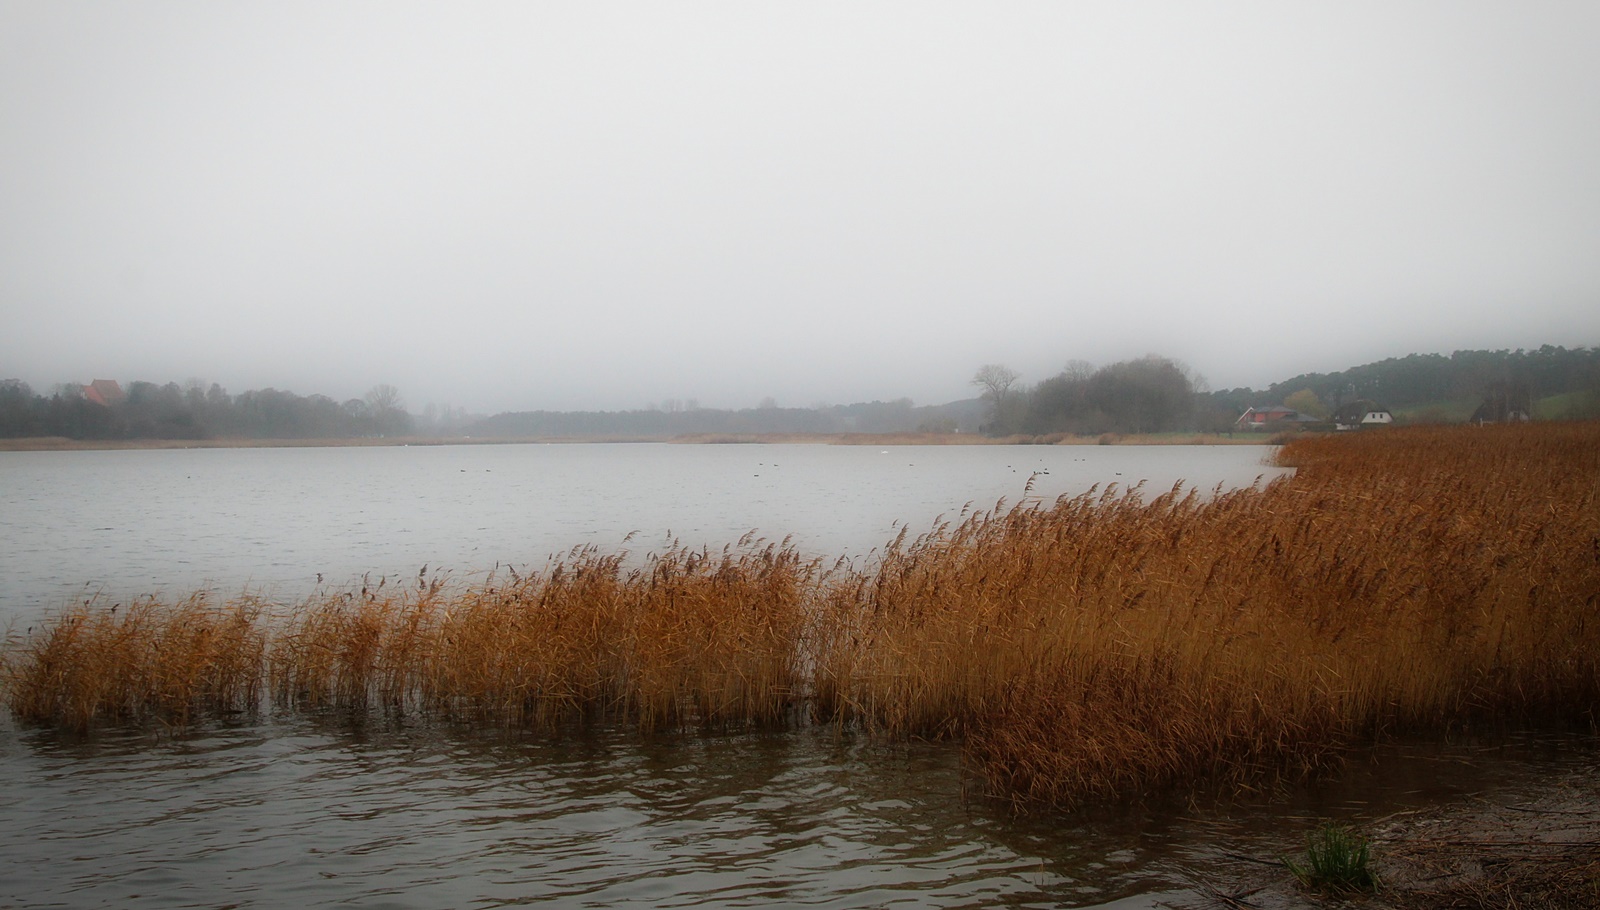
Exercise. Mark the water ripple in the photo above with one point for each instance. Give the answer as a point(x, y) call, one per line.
point(319, 812)
point(306, 812)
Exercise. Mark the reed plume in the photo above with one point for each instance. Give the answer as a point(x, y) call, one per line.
point(146, 660)
point(1107, 643)
point(1411, 579)
point(689, 638)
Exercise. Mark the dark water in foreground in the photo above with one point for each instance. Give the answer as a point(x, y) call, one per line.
point(328, 812)
point(324, 812)
point(296, 813)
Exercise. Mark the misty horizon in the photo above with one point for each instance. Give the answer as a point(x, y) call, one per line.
point(974, 391)
point(596, 207)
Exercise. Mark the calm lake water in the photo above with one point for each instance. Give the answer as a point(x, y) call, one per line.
point(139, 522)
point(310, 811)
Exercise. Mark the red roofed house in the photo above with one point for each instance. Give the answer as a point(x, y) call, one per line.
point(104, 392)
point(1264, 418)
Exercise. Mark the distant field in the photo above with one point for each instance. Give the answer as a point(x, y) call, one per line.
point(1568, 406)
point(1456, 411)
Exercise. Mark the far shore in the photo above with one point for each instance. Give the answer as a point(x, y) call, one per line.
point(63, 444)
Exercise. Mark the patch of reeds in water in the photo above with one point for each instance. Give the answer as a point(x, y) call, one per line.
point(145, 660)
point(1409, 579)
point(1102, 646)
point(689, 638)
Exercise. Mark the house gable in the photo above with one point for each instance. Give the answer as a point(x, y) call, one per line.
point(1361, 413)
point(104, 392)
point(1261, 418)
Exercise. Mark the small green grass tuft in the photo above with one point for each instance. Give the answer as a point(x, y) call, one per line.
point(1338, 861)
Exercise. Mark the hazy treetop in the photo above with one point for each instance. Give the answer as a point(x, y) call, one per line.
point(597, 205)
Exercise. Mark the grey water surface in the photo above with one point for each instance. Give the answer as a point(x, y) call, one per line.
point(324, 811)
point(270, 520)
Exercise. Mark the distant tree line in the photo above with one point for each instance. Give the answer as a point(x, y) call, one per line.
point(674, 418)
point(1420, 379)
point(150, 411)
point(1152, 394)
point(1156, 394)
point(197, 411)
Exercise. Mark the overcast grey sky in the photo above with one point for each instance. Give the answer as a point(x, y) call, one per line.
point(599, 205)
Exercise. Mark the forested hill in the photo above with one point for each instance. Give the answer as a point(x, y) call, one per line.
point(1154, 394)
point(1418, 379)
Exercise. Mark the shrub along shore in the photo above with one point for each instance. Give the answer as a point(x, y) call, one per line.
point(1114, 643)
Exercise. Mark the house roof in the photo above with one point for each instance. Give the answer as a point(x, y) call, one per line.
point(1355, 410)
point(1276, 413)
point(103, 392)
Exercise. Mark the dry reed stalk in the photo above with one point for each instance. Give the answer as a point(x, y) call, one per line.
point(688, 639)
point(539, 652)
point(1104, 644)
point(341, 650)
point(144, 660)
point(716, 641)
point(1410, 578)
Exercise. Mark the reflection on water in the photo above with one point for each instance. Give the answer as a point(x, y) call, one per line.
point(291, 812)
point(306, 811)
point(317, 812)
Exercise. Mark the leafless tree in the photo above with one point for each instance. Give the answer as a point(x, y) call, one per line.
point(383, 398)
point(388, 412)
point(996, 381)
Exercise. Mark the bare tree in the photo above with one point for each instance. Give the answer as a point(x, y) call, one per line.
point(384, 397)
point(387, 410)
point(1198, 384)
point(996, 381)
point(1005, 409)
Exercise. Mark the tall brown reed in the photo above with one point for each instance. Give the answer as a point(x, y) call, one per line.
point(1404, 579)
point(1106, 644)
point(147, 659)
point(688, 638)
point(717, 640)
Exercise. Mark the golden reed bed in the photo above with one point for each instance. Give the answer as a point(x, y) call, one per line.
point(1109, 644)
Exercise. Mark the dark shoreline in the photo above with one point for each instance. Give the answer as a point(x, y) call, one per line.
point(63, 444)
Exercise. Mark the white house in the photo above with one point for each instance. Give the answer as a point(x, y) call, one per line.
point(1361, 413)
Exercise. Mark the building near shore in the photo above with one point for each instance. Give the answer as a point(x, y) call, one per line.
point(104, 392)
point(1360, 414)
